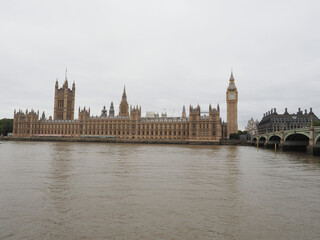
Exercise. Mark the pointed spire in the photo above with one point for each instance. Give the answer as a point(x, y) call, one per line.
point(231, 77)
point(124, 95)
point(184, 111)
point(66, 74)
point(232, 85)
point(111, 110)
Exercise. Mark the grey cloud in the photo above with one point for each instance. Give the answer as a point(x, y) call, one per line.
point(167, 53)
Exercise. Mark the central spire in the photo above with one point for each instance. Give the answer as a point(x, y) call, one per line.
point(124, 95)
point(124, 107)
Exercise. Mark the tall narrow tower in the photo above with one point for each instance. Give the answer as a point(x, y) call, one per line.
point(111, 111)
point(232, 107)
point(64, 101)
point(184, 112)
point(124, 106)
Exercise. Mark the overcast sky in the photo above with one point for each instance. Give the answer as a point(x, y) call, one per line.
point(167, 54)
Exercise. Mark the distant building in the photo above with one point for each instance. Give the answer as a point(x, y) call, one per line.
point(272, 121)
point(252, 127)
point(150, 114)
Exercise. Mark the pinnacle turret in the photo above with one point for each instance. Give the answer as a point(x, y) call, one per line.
point(184, 111)
point(111, 110)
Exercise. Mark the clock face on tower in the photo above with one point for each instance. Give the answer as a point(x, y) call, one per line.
point(232, 96)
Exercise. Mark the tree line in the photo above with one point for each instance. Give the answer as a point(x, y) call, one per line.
point(316, 123)
point(6, 126)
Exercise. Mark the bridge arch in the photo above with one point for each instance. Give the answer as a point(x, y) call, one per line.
point(262, 138)
point(295, 134)
point(274, 137)
point(317, 141)
point(273, 140)
point(296, 142)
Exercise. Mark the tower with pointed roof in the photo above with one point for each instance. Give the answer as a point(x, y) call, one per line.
point(232, 107)
point(124, 106)
point(111, 110)
point(64, 99)
point(184, 111)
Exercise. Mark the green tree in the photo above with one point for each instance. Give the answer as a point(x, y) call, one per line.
point(316, 123)
point(6, 126)
point(236, 136)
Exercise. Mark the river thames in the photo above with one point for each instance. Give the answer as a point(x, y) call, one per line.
point(54, 190)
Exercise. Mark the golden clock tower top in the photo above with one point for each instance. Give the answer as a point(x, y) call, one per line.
point(232, 85)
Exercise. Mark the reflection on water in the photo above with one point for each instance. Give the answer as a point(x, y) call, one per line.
point(59, 188)
point(118, 191)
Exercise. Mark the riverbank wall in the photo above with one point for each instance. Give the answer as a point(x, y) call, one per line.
point(133, 141)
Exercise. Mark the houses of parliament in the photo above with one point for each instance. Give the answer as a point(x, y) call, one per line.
point(128, 124)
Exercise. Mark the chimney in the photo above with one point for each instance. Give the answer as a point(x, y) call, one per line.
point(310, 110)
point(299, 110)
point(275, 110)
point(271, 111)
point(305, 111)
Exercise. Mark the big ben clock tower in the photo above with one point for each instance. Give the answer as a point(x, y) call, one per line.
point(232, 107)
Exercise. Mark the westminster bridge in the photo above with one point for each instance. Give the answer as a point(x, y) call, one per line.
point(293, 139)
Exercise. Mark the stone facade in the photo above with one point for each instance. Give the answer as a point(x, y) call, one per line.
point(64, 101)
point(273, 121)
point(198, 126)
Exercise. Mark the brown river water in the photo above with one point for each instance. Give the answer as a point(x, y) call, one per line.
point(53, 190)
